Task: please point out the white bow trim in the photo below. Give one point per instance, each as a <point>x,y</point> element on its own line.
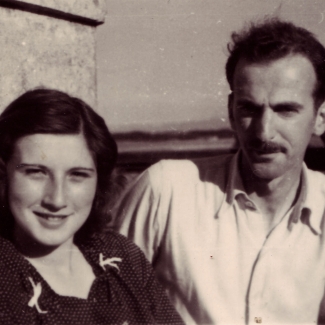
<point>37,288</point>
<point>109,261</point>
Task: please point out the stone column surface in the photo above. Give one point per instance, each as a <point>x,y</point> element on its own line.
<point>49,43</point>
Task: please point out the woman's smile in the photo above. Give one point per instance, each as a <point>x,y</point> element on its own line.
<point>51,220</point>
<point>52,184</point>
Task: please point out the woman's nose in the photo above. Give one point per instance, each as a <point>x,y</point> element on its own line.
<point>264,125</point>
<point>54,197</point>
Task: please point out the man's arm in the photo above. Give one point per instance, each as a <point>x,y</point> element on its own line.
<point>321,313</point>
<point>142,213</point>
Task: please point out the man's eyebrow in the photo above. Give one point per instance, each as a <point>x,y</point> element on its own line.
<point>288,104</point>
<point>277,105</point>
<point>246,101</point>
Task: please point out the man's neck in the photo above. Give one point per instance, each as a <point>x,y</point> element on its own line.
<point>274,197</point>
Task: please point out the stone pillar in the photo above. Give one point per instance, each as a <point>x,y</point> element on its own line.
<point>49,43</point>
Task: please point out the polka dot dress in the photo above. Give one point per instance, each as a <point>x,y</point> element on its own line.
<point>124,292</point>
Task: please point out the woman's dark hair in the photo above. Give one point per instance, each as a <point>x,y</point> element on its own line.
<point>47,111</point>
<point>274,39</point>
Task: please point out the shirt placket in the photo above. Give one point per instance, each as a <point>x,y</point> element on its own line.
<point>258,307</point>
<point>246,209</point>
<point>255,295</point>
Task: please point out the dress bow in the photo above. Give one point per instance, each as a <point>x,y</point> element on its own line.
<point>37,288</point>
<point>109,261</point>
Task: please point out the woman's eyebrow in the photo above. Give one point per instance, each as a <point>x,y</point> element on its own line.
<point>22,165</point>
<point>84,168</point>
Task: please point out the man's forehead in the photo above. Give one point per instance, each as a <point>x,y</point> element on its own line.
<point>292,71</point>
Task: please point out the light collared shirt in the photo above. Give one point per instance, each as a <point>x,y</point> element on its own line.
<point>192,221</point>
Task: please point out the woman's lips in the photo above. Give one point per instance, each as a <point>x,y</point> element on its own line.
<point>50,216</point>
<point>51,221</point>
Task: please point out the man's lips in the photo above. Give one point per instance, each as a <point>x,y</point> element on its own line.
<point>265,152</point>
<point>265,148</point>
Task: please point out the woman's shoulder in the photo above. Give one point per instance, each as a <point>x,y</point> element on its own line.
<point>112,243</point>
<point>11,283</point>
<point>9,256</point>
<point>11,264</point>
<point>123,253</point>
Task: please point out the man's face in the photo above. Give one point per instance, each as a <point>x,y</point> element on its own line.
<point>272,112</point>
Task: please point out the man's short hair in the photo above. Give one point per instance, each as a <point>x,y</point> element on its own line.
<point>273,39</point>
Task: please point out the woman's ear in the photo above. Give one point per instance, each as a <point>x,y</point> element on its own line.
<point>319,127</point>
<point>230,110</point>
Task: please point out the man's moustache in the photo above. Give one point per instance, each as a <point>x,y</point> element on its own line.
<point>266,147</point>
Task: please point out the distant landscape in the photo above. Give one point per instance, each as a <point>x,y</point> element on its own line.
<point>138,150</point>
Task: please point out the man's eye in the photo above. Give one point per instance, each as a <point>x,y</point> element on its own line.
<point>248,109</point>
<point>286,110</point>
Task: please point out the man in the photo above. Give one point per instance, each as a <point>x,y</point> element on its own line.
<point>240,239</point>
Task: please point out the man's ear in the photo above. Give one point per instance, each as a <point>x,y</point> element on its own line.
<point>230,110</point>
<point>319,127</point>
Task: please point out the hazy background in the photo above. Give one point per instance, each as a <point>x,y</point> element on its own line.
<point>161,62</point>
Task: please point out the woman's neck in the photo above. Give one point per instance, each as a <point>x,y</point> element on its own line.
<point>36,253</point>
<point>60,259</point>
<point>64,267</point>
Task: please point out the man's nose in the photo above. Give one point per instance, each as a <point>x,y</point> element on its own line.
<point>55,195</point>
<point>264,125</point>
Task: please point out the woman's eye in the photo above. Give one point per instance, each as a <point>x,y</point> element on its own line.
<point>34,172</point>
<point>79,176</point>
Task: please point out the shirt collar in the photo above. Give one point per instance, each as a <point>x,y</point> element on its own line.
<point>235,184</point>
<point>300,210</point>
<point>313,203</point>
<point>310,203</point>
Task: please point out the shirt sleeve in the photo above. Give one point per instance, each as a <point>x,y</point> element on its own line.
<point>321,313</point>
<point>149,293</point>
<point>143,211</point>
<point>160,306</point>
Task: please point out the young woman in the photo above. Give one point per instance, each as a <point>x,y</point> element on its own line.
<point>56,160</point>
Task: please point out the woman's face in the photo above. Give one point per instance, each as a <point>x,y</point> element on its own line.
<point>51,187</point>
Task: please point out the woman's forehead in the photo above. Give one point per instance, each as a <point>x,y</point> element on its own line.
<point>53,150</point>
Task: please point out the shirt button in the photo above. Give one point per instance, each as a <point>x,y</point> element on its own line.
<point>249,204</point>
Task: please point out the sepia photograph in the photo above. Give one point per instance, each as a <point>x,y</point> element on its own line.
<point>162,162</point>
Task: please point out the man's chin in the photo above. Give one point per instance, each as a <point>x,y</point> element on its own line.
<point>266,170</point>
<point>264,157</point>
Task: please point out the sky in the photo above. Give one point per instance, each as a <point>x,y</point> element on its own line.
<point>160,63</point>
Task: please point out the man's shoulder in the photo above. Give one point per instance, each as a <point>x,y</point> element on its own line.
<point>201,169</point>
<point>316,180</point>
